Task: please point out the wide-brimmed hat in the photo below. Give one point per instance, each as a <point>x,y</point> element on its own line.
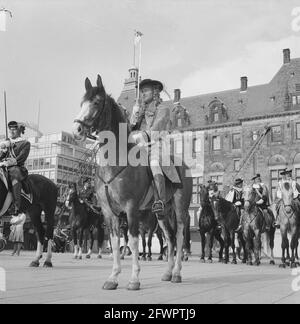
<point>152,83</point>
<point>238,181</point>
<point>286,171</point>
<point>256,176</point>
<point>13,124</point>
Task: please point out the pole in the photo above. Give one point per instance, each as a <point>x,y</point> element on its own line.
<point>139,72</point>
<point>5,112</point>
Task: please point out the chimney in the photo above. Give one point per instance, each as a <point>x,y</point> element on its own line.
<point>244,83</point>
<point>177,95</point>
<point>286,56</point>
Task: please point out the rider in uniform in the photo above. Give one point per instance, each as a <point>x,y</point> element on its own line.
<point>264,201</point>
<point>235,196</point>
<point>286,177</point>
<point>213,191</point>
<point>87,195</point>
<point>13,155</point>
<point>152,117</point>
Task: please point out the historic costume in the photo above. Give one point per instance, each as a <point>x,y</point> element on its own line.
<point>264,201</point>
<point>13,155</point>
<point>87,195</point>
<point>235,196</point>
<point>286,177</point>
<point>153,117</point>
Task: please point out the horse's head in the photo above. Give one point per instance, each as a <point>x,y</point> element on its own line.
<point>287,197</point>
<point>92,108</point>
<point>72,195</point>
<point>216,205</point>
<point>204,199</point>
<point>250,197</point>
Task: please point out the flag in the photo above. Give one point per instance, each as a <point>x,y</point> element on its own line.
<point>2,20</point>
<point>3,15</point>
<point>137,37</point>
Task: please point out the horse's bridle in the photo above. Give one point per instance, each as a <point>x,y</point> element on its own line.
<point>97,117</point>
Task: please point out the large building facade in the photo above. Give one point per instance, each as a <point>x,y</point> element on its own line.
<point>232,121</point>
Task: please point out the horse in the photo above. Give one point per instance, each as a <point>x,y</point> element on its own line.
<point>149,224</point>
<point>124,184</point>
<point>42,198</point>
<point>82,219</point>
<point>208,226</point>
<point>289,218</point>
<point>254,225</point>
<point>227,215</point>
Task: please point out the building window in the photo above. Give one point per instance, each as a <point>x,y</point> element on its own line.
<point>216,116</point>
<point>216,143</point>
<point>196,190</point>
<point>236,164</point>
<point>276,134</point>
<point>297,175</point>
<point>297,130</point>
<point>196,145</point>
<point>274,179</point>
<point>296,100</point>
<point>178,146</point>
<point>236,141</point>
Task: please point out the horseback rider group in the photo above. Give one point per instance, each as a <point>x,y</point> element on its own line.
<point>235,196</point>
<point>13,155</point>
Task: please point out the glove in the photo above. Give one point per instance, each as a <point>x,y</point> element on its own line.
<point>260,202</point>
<point>238,203</point>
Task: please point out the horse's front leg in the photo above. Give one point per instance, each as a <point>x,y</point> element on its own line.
<point>257,247</point>
<point>161,244</point>
<point>210,245</point>
<point>133,224</point>
<point>112,282</point>
<point>284,245</point>
<point>81,232</point>
<point>49,216</point>
<point>232,243</point>
<point>203,244</point>
<point>169,236</point>
<point>75,239</point>
<point>150,236</point>
<point>294,246</point>
<point>90,251</point>
<point>143,235</point>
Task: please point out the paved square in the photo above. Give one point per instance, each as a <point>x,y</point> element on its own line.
<point>80,281</point>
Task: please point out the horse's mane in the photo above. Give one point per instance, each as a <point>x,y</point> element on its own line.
<point>225,206</point>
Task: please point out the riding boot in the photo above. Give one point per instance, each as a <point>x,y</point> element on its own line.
<point>17,187</point>
<point>240,222</point>
<point>276,223</point>
<point>158,206</point>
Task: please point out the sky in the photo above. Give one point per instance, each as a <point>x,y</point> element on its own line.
<point>199,46</point>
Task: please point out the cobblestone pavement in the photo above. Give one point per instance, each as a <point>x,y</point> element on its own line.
<point>80,281</point>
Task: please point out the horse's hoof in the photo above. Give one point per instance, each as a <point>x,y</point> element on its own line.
<point>87,256</point>
<point>110,285</point>
<point>233,262</point>
<point>220,260</point>
<point>185,258</point>
<point>249,263</point>
<point>99,256</point>
<point>75,257</point>
<point>244,261</point>
<point>176,278</point>
<point>34,264</point>
<point>282,266</point>
<point>122,257</point>
<point>144,258</point>
<point>48,264</point>
<point>166,277</point>
<point>287,263</point>
<point>225,261</point>
<point>80,258</point>
<point>202,260</point>
<point>210,261</point>
<point>133,286</point>
<point>272,262</point>
<point>293,265</point>
<point>257,263</point>
<point>149,258</point>
<point>160,258</point>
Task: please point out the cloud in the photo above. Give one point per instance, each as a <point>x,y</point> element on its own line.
<point>260,61</point>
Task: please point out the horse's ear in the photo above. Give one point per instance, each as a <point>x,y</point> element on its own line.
<point>99,82</point>
<point>88,84</point>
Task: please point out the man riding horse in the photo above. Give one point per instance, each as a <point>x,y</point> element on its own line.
<point>264,202</point>
<point>235,196</point>
<point>286,178</point>
<point>87,195</point>
<point>13,155</point>
<point>152,117</point>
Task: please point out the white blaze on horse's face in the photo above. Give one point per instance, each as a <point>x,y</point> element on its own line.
<point>85,118</point>
<point>287,196</point>
<point>247,195</point>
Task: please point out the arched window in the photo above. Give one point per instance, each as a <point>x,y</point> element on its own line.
<point>217,112</point>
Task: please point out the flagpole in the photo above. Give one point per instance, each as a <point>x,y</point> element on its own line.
<point>5,114</point>
<point>139,71</point>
